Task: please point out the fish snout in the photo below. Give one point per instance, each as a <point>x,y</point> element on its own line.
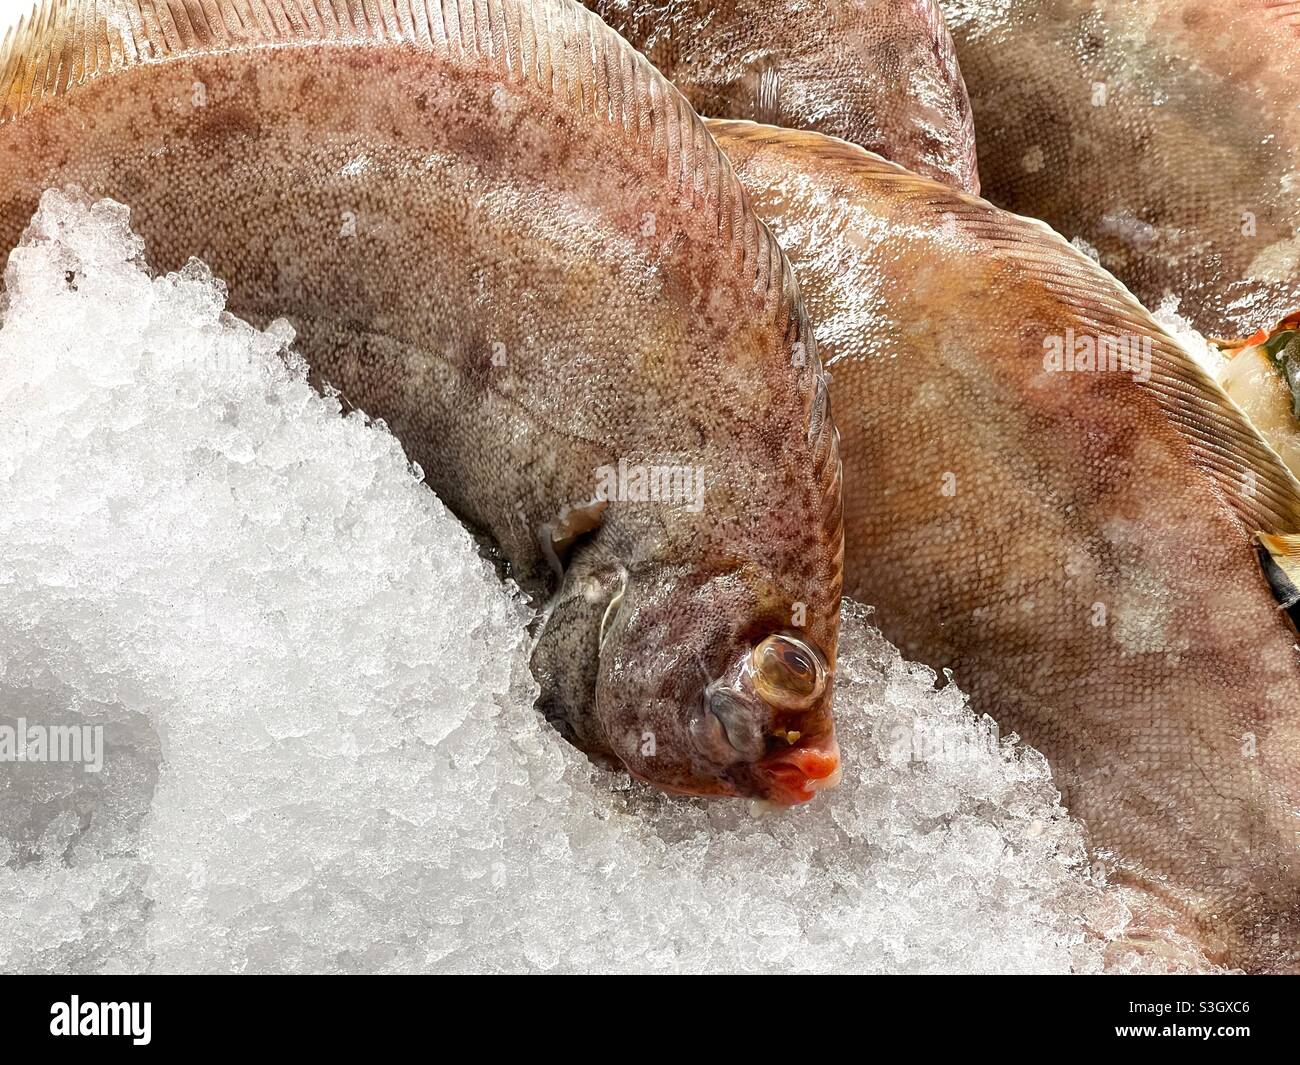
<point>795,775</point>
<point>770,725</point>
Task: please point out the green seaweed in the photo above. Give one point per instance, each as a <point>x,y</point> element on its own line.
<point>1284,350</point>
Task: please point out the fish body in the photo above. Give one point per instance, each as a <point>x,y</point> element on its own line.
<point>1165,134</point>
<point>879,73</point>
<point>1071,535</point>
<point>499,229</point>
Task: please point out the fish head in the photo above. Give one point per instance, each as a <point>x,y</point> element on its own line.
<point>768,720</point>
<point>706,693</point>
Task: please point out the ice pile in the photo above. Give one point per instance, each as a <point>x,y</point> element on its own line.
<point>320,747</point>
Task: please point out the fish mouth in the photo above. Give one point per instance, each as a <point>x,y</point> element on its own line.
<point>795,776</point>
<point>788,777</point>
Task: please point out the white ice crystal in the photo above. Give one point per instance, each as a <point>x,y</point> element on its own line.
<point>1204,354</point>
<point>1084,248</point>
<point>321,750</point>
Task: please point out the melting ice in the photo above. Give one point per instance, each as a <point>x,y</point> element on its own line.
<point>320,751</point>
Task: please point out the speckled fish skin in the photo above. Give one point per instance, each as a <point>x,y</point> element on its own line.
<point>1074,546</point>
<point>1165,133</point>
<point>879,73</point>
<point>497,227</point>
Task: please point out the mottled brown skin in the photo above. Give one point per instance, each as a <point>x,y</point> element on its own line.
<point>527,285</point>
<point>1166,133</point>
<point>879,73</point>
<point>1074,546</point>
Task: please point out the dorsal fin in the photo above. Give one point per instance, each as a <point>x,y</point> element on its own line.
<point>1286,12</point>
<point>1249,473</point>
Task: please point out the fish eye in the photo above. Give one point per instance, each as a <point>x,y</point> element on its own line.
<point>787,673</point>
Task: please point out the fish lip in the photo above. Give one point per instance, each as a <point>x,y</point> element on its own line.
<point>788,777</point>
<point>795,776</point>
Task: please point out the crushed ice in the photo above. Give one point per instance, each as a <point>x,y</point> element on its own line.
<point>321,752</point>
<point>1208,357</point>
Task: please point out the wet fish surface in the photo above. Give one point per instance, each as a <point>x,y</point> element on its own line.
<point>1071,534</point>
<point>1165,133</point>
<point>495,226</point>
<point>879,73</point>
